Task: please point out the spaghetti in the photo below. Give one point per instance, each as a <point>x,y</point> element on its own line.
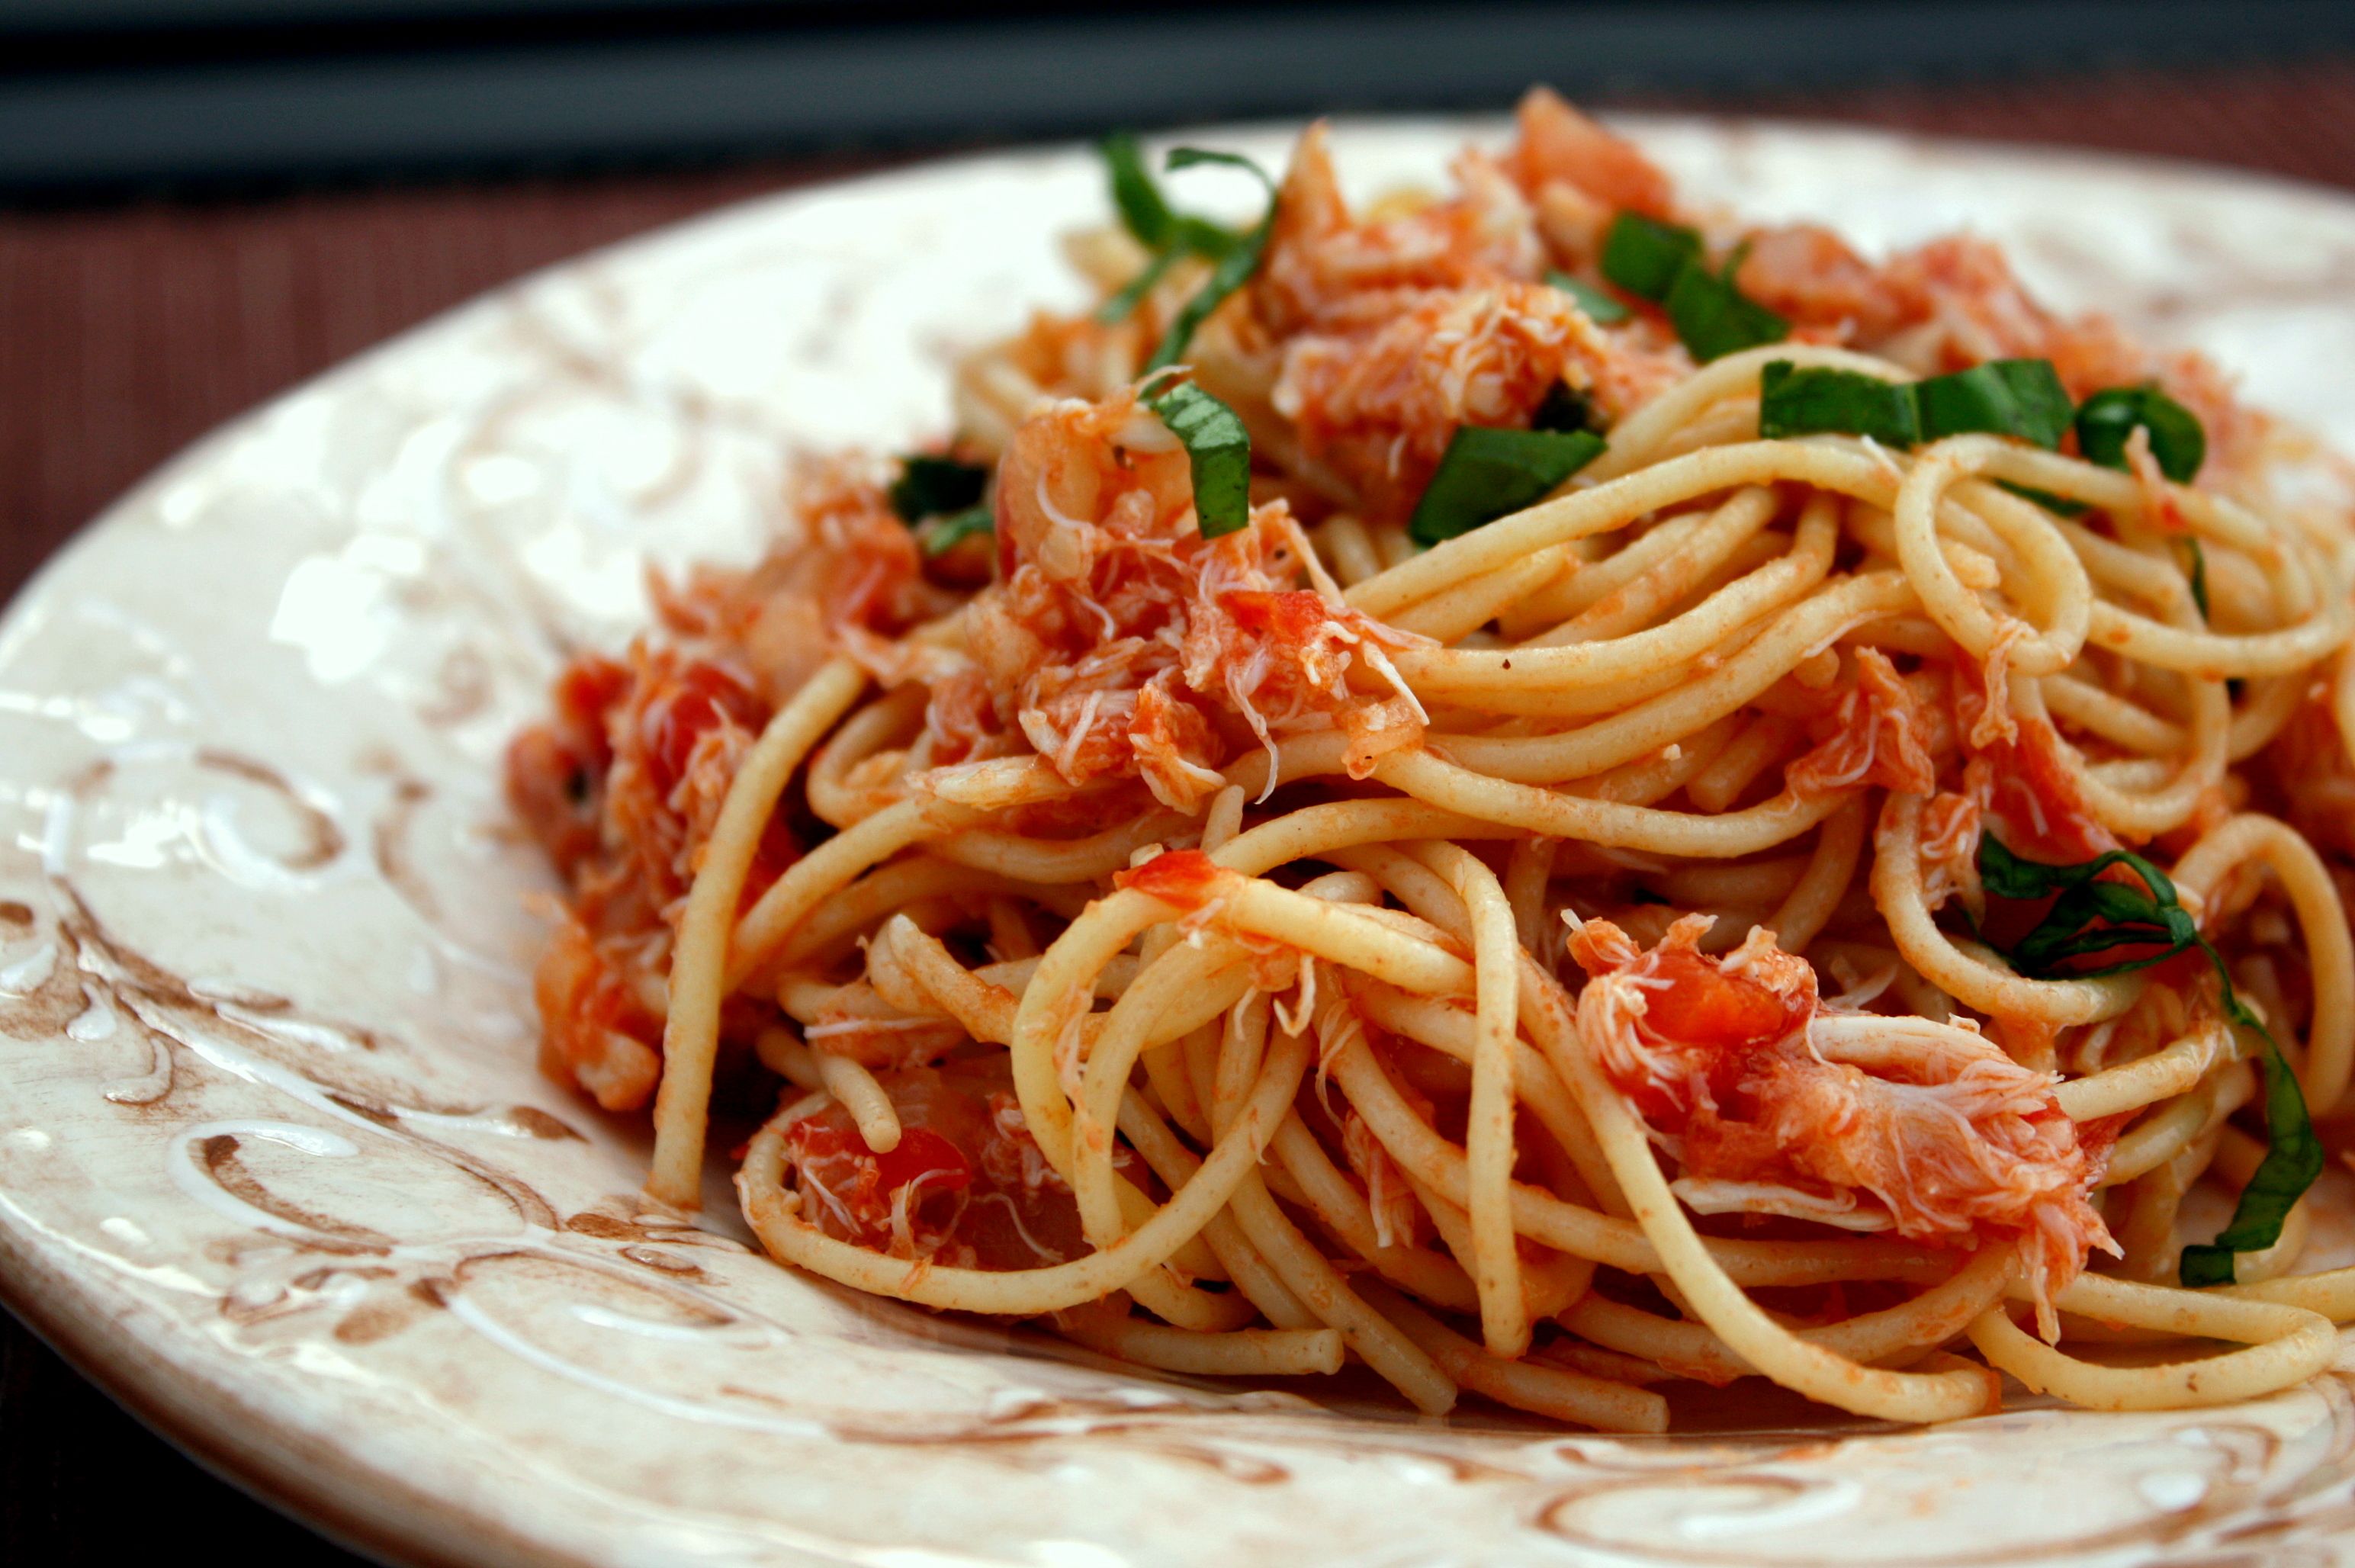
<point>1526,789</point>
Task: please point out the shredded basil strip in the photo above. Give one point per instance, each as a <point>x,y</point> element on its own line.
<point>1666,263</point>
<point>1188,157</point>
<point>940,535</point>
<point>1713,318</point>
<point>2020,398</point>
<point>930,485</point>
<point>2155,917</point>
<point>1644,256</point>
<point>1117,307</point>
<point>2293,1160</point>
<point>1171,235</point>
<point>1218,449</point>
<point>1600,308</point>
<point>1143,211</point>
<point>2108,419</point>
<point>1487,474</point>
<point>1233,268</point>
<point>1566,408</point>
<point>1818,399</point>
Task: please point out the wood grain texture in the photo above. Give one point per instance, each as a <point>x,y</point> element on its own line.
<point>127,332</point>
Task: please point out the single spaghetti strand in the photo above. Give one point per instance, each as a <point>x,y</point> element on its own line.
<point>1488,1133</point>
<point>698,981</point>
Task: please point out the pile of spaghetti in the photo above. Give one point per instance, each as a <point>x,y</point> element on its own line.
<point>1532,789</point>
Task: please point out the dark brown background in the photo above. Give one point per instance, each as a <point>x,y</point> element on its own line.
<point>127,332</point>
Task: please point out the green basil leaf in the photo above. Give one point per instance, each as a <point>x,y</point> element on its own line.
<point>1188,157</point>
<point>1811,402</point>
<point>1599,307</point>
<point>1218,449</point>
<point>1233,271</point>
<point>2020,398</point>
<point>1713,318</point>
<point>1170,234</point>
<point>2150,916</point>
<point>2008,875</point>
<point>1204,237</point>
<point>2132,920</point>
<point>2293,1162</point>
<point>1565,408</point>
<point>940,535</point>
<point>2293,1157</point>
<point>930,485</point>
<point>1645,256</point>
<point>1489,474</point>
<point>2108,418</point>
<point>1118,306</point>
<point>1233,268</point>
<point>1143,211</point>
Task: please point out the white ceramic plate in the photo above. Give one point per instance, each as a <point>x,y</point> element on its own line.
<point>274,1161</point>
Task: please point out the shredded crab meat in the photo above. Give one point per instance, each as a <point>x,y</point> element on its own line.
<point>596,1035</point>
<point>2017,775</point>
<point>1123,644</point>
<point>1877,735</point>
<point>1394,330</point>
<point>1717,1056</point>
<point>846,576</point>
<point>1948,852</point>
<point>1014,1158</point>
<point>1338,1028</point>
<point>966,1185</point>
<point>1396,1213</point>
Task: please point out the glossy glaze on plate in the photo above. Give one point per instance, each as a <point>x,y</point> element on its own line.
<point>275,1163</point>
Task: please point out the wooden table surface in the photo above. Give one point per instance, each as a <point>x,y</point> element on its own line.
<point>126,331</point>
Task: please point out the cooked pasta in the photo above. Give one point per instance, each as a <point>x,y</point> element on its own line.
<point>1529,789</point>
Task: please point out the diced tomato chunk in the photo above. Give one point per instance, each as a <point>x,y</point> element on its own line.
<point>1186,877</point>
<point>1704,1006</point>
<point>965,1185</point>
<point>923,1155</point>
<point>586,692</point>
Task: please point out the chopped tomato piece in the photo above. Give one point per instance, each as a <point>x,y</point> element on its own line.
<point>1186,877</point>
<point>965,1185</point>
<point>1702,1004</point>
<point>922,1154</point>
<point>556,771</point>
